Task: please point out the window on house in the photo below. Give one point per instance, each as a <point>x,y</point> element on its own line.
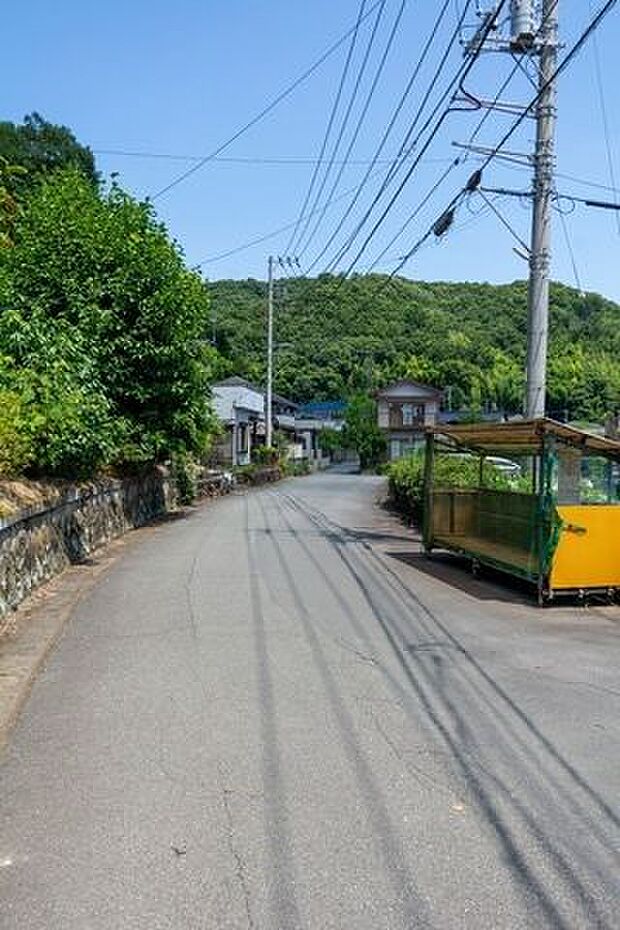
<point>407,414</point>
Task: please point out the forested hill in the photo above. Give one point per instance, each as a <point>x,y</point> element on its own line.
<point>345,336</point>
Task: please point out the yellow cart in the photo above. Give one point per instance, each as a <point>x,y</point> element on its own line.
<point>559,525</point>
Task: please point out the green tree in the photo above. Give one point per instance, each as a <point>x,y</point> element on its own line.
<point>330,440</point>
<point>101,312</point>
<point>40,147</point>
<point>361,431</point>
<point>349,336</point>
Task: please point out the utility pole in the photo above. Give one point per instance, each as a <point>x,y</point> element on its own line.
<point>540,253</point>
<point>269,401</point>
<point>540,42</point>
<point>284,262</point>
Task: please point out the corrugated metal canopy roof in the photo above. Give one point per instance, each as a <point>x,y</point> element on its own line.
<point>523,436</point>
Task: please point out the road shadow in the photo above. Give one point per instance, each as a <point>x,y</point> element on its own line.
<point>489,584</point>
<point>454,570</point>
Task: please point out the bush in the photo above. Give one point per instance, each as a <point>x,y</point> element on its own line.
<point>297,467</point>
<point>184,473</point>
<point>406,479</point>
<point>265,455</point>
<point>101,333</point>
<point>16,447</point>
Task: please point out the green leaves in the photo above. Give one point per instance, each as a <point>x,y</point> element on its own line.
<point>350,336</point>
<point>406,479</point>
<point>361,431</point>
<point>102,327</point>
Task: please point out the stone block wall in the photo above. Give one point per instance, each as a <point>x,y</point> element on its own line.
<point>39,543</point>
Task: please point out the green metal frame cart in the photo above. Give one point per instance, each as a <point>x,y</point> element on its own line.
<point>561,531</point>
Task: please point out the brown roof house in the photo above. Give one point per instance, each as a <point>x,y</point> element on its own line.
<point>404,409</point>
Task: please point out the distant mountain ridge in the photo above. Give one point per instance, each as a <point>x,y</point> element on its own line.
<point>339,337</point>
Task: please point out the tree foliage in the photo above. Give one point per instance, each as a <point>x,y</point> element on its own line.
<point>39,148</point>
<point>406,479</point>
<point>361,431</point>
<point>101,330</point>
<point>349,336</point>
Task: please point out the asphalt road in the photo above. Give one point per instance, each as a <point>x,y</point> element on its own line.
<point>274,713</point>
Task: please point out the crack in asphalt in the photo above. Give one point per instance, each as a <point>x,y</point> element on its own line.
<point>240,866</point>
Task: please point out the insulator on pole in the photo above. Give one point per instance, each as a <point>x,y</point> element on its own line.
<point>474,181</point>
<point>444,223</point>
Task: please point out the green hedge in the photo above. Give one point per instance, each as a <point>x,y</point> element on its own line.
<point>406,480</point>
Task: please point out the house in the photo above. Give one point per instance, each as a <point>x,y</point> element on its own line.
<point>241,408</point>
<point>312,419</point>
<point>240,405</point>
<point>283,414</point>
<point>404,410</point>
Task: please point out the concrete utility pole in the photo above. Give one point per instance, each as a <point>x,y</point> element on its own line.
<point>269,401</point>
<point>540,42</point>
<point>540,253</point>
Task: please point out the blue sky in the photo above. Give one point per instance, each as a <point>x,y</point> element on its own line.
<point>178,79</point>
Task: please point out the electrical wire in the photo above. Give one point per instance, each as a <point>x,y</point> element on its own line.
<point>568,58</point>
<point>476,132</point>
<point>270,235</point>
<point>268,108</point>
<point>566,61</point>
<point>457,80</point>
<point>504,221</point>
<point>406,148</point>
<point>332,117</point>
<point>265,237</point>
<point>415,214</point>
<point>345,119</point>
<point>460,160</point>
<point>277,160</point>
<point>571,252</point>
<point>386,134</point>
<point>605,120</point>
<point>360,121</point>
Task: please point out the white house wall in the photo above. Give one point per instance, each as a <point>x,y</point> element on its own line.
<point>226,397</point>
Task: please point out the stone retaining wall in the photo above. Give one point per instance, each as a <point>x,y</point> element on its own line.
<point>39,543</point>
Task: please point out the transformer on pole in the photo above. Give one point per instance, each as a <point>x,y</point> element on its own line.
<point>522,29</point>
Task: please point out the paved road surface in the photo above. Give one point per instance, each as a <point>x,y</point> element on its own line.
<point>274,714</point>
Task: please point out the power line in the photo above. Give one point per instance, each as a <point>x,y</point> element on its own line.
<point>569,247</point>
<point>453,165</point>
<point>268,108</point>
<point>361,118</point>
<point>490,107</point>
<point>276,160</point>
<point>273,233</point>
<point>387,132</point>
<point>265,237</point>
<point>605,120</point>
<point>408,146</point>
<point>347,114</point>
<point>500,216</point>
<point>568,58</point>
<point>595,185</point>
<point>458,79</point>
<point>332,118</point>
<point>415,213</point>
